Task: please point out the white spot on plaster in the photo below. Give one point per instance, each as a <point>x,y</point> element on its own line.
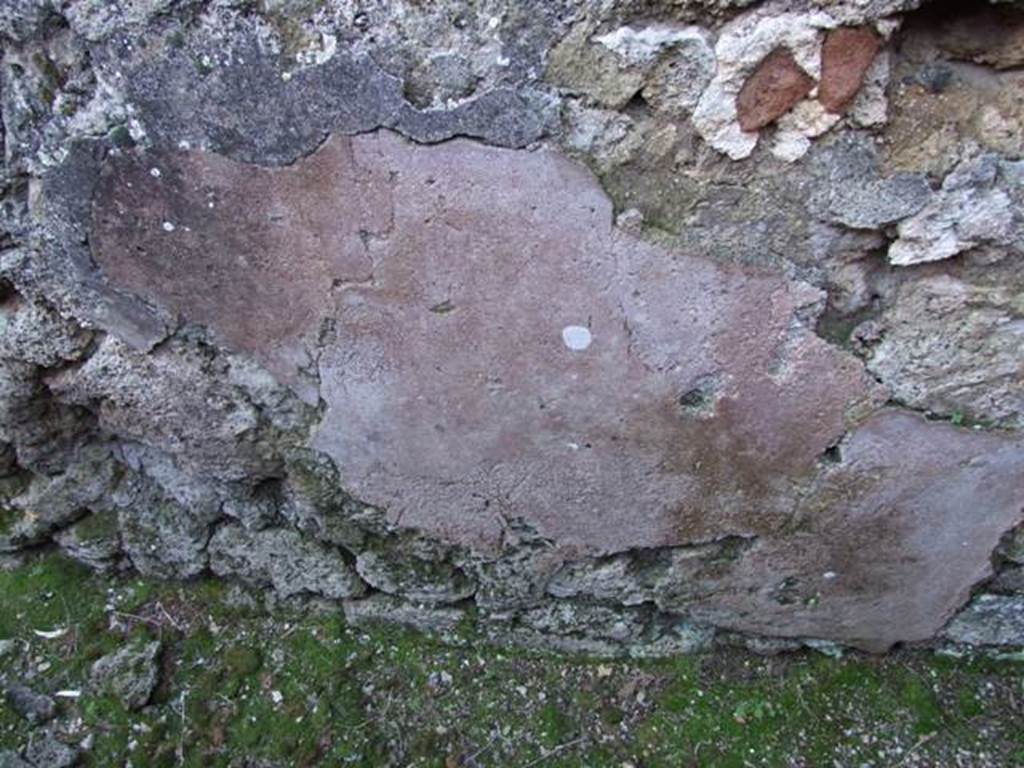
<point>154,172</point>
<point>576,337</point>
<point>829,575</point>
<point>168,226</point>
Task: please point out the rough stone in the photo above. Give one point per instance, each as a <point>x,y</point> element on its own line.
<point>131,673</point>
<point>742,44</point>
<point>855,193</point>
<point>94,540</point>
<point>846,56</point>
<point>284,559</point>
<point>392,610</point>
<point>34,707</point>
<point>951,343</point>
<point>47,751</point>
<point>160,536</point>
<point>581,66</point>
<point>989,620</point>
<point>22,19</point>
<point>34,333</point>
<point>50,504</point>
<point>772,90</point>
<point>970,210</point>
<point>11,759</point>
<point>252,113</point>
<point>412,578</point>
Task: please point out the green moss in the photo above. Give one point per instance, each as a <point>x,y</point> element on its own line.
<point>97,526</point>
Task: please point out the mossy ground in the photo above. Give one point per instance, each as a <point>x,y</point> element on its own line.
<point>240,687</point>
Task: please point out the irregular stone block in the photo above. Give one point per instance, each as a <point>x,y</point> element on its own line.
<point>853,191</point>
<point>951,343</point>
<point>35,707</point>
<point>399,572</point>
<point>11,759</point>
<point>989,620</point>
<point>292,564</point>
<point>49,504</point>
<point>131,673</point>
<point>47,751</point>
<point>393,610</point>
<point>772,90</point>
<point>846,56</point>
<point>971,210</point>
<point>161,537</point>
<point>94,540</point>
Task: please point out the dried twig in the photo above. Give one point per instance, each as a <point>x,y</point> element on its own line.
<point>552,752</point>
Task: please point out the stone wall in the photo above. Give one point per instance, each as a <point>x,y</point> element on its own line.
<point>627,326</point>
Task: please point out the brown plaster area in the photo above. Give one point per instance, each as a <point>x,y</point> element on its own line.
<point>489,348</point>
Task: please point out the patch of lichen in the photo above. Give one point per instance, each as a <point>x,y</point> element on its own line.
<point>97,526</point>
<point>299,687</point>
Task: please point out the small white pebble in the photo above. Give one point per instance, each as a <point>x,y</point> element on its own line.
<point>168,226</point>
<point>154,172</point>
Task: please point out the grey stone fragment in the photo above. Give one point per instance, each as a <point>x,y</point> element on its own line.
<point>284,559</point>
<point>160,536</point>
<point>94,540</point>
<point>393,610</point>
<point>566,617</point>
<point>1009,581</point>
<point>246,110</point>
<point>11,759</point>
<point>34,333</point>
<point>971,209</point>
<point>61,267</point>
<point>674,636</point>
<point>178,400</point>
<point>1012,547</point>
<point>131,673</point>
<point>989,620</point>
<point>46,434</point>
<point>419,580</point>
<point>23,19</point>
<point>851,191</point>
<point>951,342</point>
<point>51,503</point>
<point>35,707</point>
<point>667,577</point>
<point>46,751</point>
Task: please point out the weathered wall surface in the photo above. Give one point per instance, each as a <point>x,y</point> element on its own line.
<point>623,327</point>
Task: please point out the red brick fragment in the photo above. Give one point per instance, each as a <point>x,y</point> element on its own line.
<point>845,58</point>
<point>776,86</point>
